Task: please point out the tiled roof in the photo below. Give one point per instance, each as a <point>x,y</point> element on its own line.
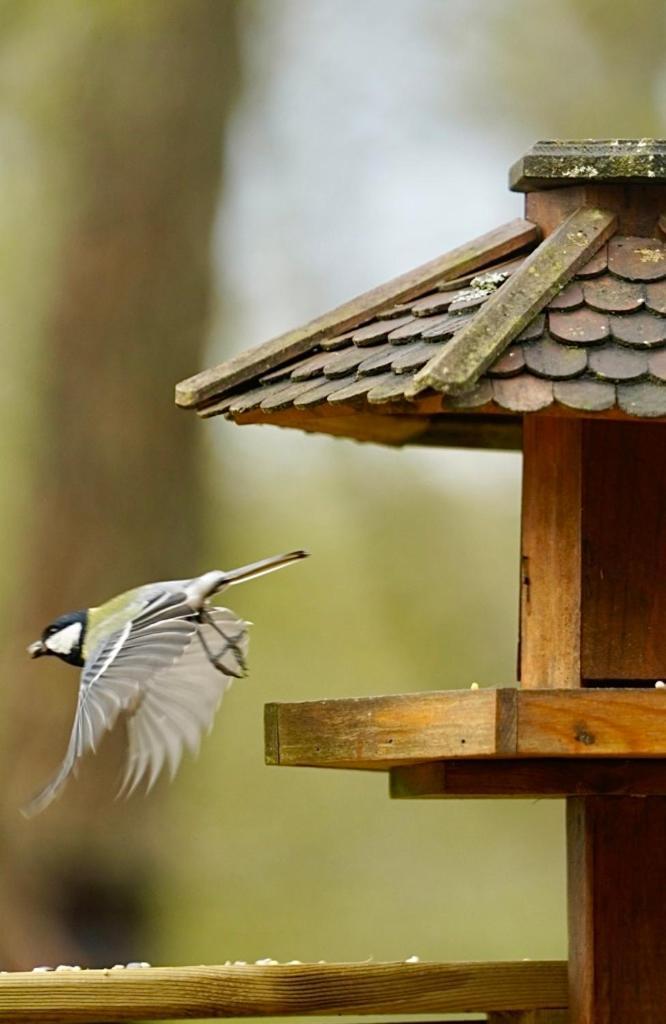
<point>600,344</point>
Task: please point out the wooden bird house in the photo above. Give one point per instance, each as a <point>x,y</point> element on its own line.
<point>548,333</point>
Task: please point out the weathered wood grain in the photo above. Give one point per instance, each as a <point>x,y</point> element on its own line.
<point>592,723</point>
<point>529,778</point>
<point>487,248</point>
<point>617,911</point>
<point>271,991</point>
<point>378,733</point>
<point>505,313</point>
<point>550,553</point>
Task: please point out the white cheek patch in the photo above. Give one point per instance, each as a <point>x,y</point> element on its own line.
<point>65,640</point>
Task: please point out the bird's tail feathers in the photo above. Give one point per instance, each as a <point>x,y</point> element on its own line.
<point>266,565</point>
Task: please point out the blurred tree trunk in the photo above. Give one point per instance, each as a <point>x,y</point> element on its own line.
<point>121,107</point>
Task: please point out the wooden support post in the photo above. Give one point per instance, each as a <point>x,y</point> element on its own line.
<point>617,910</point>
<point>616,846</point>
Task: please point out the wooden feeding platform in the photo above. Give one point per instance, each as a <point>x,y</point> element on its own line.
<point>558,732</point>
<point>508,992</point>
<point>547,334</point>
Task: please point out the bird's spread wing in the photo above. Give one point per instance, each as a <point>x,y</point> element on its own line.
<point>178,703</point>
<point>166,672</point>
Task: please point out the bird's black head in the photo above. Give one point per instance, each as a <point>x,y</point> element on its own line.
<point>64,638</point>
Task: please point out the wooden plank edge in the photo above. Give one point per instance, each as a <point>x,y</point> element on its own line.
<point>532,779</point>
<point>508,238</point>
<point>254,990</point>
<point>515,303</point>
<point>376,733</point>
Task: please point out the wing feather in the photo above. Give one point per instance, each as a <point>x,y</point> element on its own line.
<point>180,702</point>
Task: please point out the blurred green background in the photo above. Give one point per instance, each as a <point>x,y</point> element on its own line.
<point>182,179</point>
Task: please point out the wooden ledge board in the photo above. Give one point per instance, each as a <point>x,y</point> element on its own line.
<point>531,778</point>
<point>378,733</point>
<point>157,993</point>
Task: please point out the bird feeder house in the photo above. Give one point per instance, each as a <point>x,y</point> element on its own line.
<point>546,334</point>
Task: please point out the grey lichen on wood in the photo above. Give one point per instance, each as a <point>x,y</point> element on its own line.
<point>509,310</point>
<point>502,241</point>
<point>553,163</point>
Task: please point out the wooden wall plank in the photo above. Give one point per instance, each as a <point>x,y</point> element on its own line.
<point>617,911</point>
<point>624,551</point>
<point>635,206</point>
<point>550,553</point>
<point>271,991</point>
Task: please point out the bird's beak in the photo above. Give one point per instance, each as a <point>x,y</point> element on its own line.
<point>37,649</point>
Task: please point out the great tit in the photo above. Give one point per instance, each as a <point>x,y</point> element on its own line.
<point>161,657</point>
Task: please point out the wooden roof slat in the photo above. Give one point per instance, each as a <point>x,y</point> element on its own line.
<point>253,990</point>
<point>378,733</point>
<point>509,310</point>
<point>502,241</point>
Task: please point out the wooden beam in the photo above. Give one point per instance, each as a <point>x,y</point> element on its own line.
<point>488,248</point>
<point>280,990</point>
<point>617,911</point>
<point>550,592</point>
<point>378,733</point>
<point>531,778</point>
<point>502,317</point>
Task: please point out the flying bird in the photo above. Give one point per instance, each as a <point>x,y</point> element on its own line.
<point>160,656</point>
